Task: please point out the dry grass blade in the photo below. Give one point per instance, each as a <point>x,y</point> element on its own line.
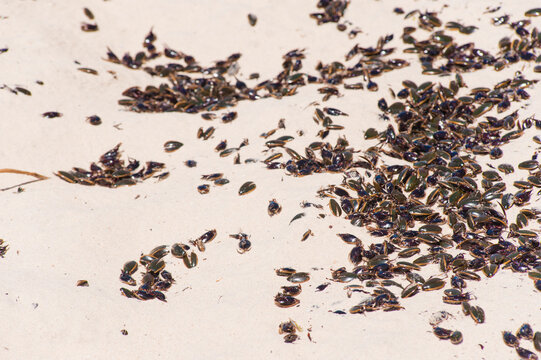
<point>38,177</point>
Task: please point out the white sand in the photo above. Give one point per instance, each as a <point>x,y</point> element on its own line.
<point>223,309</point>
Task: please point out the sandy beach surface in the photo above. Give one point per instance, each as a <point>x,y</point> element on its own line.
<point>59,233</point>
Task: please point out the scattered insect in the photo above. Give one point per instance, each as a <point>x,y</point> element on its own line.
<point>83,283</point>
<point>23,91</point>
<point>88,70</point>
<point>525,332</point>
<point>252,19</point>
<point>208,116</point>
<point>221,146</point>
<point>246,188</point>
<point>88,13</point>
<point>291,290</point>
<point>526,354</point>
<point>537,341</point>
<point>322,287</point>
<point>51,114</point>
<point>298,277</point>
<point>172,145</point>
<point>86,27</point>
<point>456,337</point>
<point>285,301</point>
<point>212,177</point>
<point>94,120</point>
<point>244,245</point>
<point>307,234</point>
<point>423,191</point>
<point>510,339</point>
<point>274,208</point>
<point>227,118</point>
<point>203,189</point>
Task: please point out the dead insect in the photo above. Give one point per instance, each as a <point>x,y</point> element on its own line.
<point>220,182</point>
<point>335,208</point>
<point>410,290</point>
<point>274,208</point>
<point>247,188</point>
<point>334,112</point>
<point>172,145</point>
<point>289,327</point>
<point>291,290</point>
<point>212,177</point>
<point>244,245</point>
<point>111,57</point>
<point>221,146</point>
<point>506,168</point>
<point>433,284</point>
<point>285,301</point>
<point>207,133</point>
<point>156,266</point>
<point>149,39</point>
<point>208,236</point>
<point>200,133</point>
<point>227,118</point>
<point>306,204</point>
<point>239,236</point>
<point>349,238</point>
<point>268,133</point>
<point>372,86</point>
<point>537,341</point>
<point>322,287</point>
<point>306,235</point>
<point>88,13</point>
<point>191,260</point>
<point>51,114</point>
<point>127,293</point>
<point>509,339</point>
<point>252,19</point>
<point>526,354</point>
<point>442,333</point>
<point>86,27</point>
<point>88,70</point>
<point>290,338</point>
<point>298,277</point>
<point>94,120</point>
<point>456,337</point>
<point>127,279</point>
<point>528,165</point>
<point>285,271</point>
<point>179,250</point>
<point>533,12</point>
<point>477,314</point>
<point>203,189</point>
<point>161,176</point>
<point>23,91</point>
<point>82,283</point>
<point>208,116</point>
<point>130,267</point>
<point>525,332</point>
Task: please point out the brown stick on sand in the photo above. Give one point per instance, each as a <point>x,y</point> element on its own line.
<point>38,177</point>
